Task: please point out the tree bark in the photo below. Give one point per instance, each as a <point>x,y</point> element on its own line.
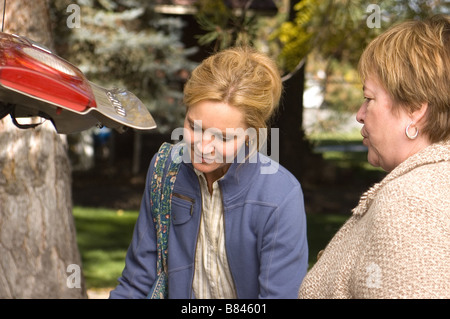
<point>37,233</point>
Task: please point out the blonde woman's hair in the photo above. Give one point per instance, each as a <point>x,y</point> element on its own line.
<point>412,62</point>
<point>240,77</point>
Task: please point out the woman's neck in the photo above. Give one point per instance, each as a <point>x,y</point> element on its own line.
<point>213,176</point>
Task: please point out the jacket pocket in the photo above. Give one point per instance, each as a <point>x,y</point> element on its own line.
<point>182,208</point>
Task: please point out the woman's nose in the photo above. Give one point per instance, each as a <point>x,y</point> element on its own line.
<point>361,114</point>
<point>206,144</point>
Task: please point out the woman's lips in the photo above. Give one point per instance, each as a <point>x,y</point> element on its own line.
<point>364,135</point>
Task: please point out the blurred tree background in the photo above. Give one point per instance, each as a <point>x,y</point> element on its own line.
<point>332,35</point>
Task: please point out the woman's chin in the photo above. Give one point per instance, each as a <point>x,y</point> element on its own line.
<point>205,166</point>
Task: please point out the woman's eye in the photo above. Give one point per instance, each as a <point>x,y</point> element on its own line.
<point>228,138</point>
<point>367,99</point>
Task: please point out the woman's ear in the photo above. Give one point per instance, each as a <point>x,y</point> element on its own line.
<point>418,116</point>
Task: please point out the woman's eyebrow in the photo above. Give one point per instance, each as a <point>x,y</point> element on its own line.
<point>192,123</point>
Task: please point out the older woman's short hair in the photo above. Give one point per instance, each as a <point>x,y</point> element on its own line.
<point>412,62</point>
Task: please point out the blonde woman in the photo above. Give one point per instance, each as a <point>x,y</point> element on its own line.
<point>236,230</point>
<point>397,242</point>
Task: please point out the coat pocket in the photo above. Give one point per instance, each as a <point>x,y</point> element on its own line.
<point>182,208</point>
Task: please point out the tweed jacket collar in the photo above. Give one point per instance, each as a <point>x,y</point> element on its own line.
<point>435,153</point>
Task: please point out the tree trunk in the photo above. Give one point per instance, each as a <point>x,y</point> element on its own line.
<point>293,146</point>
<point>39,255</point>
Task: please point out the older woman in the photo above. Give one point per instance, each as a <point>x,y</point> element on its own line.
<point>397,242</point>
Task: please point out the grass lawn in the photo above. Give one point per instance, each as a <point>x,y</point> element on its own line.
<point>103,237</point>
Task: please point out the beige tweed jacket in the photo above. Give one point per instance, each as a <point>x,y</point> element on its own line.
<point>397,242</point>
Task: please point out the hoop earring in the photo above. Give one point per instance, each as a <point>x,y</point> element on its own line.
<point>249,142</point>
<point>411,137</point>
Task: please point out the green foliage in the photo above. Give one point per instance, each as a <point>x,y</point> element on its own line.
<point>233,32</point>
<point>225,27</point>
<point>295,36</point>
<point>213,17</point>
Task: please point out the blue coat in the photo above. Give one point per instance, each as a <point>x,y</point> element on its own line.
<point>265,234</point>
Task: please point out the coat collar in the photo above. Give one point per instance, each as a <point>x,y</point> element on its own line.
<point>435,153</point>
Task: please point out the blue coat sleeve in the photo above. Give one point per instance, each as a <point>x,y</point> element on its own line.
<point>284,250</point>
<point>140,263</point>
